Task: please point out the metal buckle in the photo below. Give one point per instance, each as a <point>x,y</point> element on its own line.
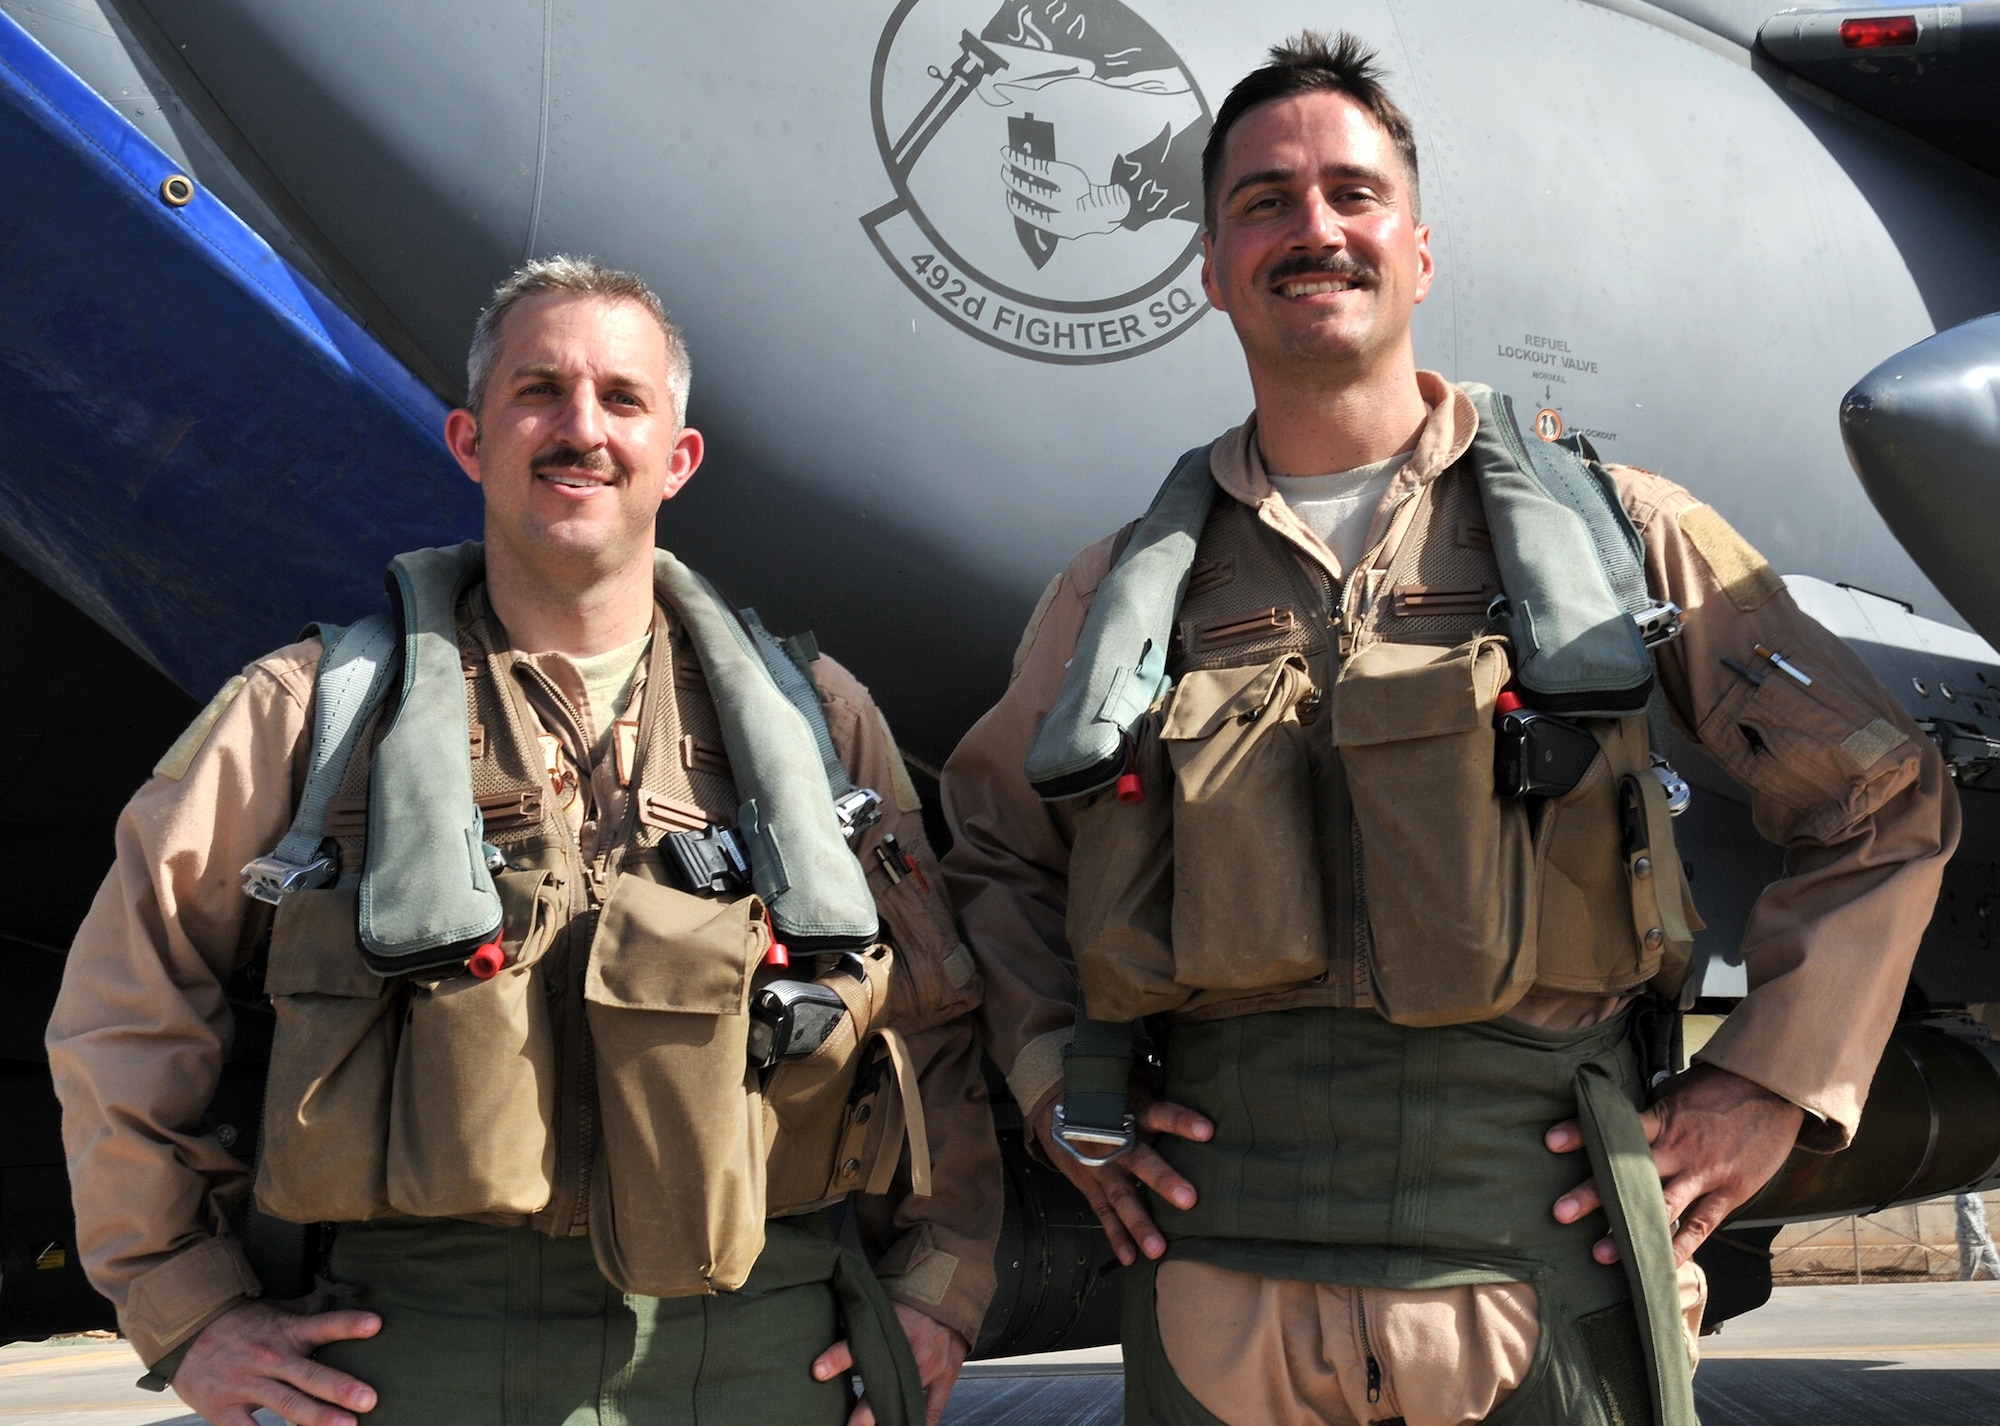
<point>1679,794</point>
<point>1119,1142</point>
<point>858,810</point>
<point>270,880</point>
<point>710,862</point>
<point>1659,623</point>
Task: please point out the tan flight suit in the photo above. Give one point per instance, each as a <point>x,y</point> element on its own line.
<point>1828,947</point>
<point>141,1026</point>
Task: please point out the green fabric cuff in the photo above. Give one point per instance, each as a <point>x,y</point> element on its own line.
<point>162,1374</point>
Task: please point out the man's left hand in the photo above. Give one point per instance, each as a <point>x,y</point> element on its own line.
<point>1717,1138</point>
<point>939,1351</point>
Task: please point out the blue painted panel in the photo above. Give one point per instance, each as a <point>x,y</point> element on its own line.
<point>197,448</point>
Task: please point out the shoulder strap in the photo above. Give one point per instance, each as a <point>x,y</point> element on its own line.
<point>353,675</point>
<point>1120,666</point>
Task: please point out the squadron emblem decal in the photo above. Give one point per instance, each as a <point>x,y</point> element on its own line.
<point>1047,168</point>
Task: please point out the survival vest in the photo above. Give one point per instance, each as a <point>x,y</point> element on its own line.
<point>1321,816</point>
<point>1323,889</point>
<point>474,1022</point>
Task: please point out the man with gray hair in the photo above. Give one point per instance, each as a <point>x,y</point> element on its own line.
<point>608,992</point>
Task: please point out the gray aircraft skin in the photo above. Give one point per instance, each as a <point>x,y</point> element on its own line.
<point>1634,228</point>
<point>920,402</point>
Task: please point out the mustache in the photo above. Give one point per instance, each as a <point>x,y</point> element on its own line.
<point>1337,264</point>
<point>568,457</point>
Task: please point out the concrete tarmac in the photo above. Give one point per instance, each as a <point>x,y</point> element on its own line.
<point>1816,1356</point>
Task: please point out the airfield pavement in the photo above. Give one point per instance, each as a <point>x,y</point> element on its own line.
<point>1816,1356</point>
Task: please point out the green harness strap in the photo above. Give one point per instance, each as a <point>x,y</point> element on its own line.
<point>1093,1121</point>
<point>881,1350</point>
<point>1630,1187</point>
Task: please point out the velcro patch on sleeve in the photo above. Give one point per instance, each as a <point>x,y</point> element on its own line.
<point>1745,576</point>
<point>1869,745</point>
<point>180,757</point>
<point>928,1281</point>
<point>918,1268</point>
<point>1039,1067</point>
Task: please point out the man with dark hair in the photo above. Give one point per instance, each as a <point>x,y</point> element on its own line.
<point>604,983</point>
<point>1312,64</point>
<point>1275,787</point>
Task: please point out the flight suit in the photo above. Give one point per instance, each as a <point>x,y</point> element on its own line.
<point>171,925</point>
<point>1828,947</point>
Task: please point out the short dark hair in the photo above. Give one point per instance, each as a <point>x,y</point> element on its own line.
<point>1309,63</point>
<point>579,277</point>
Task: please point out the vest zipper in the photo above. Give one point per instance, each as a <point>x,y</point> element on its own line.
<point>1346,941</point>
<point>1350,889</point>
<point>1374,1368</point>
<point>1345,600</point>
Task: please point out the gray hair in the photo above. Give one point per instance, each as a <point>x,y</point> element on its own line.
<point>581,277</point>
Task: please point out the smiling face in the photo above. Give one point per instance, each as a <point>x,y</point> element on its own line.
<point>576,443</point>
<point>1316,256</point>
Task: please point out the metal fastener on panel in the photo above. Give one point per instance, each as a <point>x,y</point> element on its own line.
<point>1642,868</point>
<point>176,190</point>
<point>1654,937</point>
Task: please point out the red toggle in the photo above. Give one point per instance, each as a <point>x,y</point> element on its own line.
<point>1131,787</point>
<point>777,955</point>
<point>488,961</point>
<point>1508,702</point>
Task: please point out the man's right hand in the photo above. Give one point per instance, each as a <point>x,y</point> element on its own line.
<point>259,1354</point>
<point>1113,1189</point>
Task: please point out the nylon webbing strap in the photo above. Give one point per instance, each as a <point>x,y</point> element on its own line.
<point>353,672</point>
<point>1630,1187</point>
<point>1097,1075</point>
<point>908,1108</point>
<point>881,1349</point>
<point>798,689</point>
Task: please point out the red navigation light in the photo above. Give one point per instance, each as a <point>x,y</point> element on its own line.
<point>1880,32</point>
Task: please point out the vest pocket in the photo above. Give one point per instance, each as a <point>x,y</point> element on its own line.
<point>677,1189</point>
<point>823,1116</point>
<point>1243,828</point>
<point>1121,902</point>
<point>1585,943</point>
<point>326,1103</point>
<point>472,1114</point>
<point>1612,921</point>
<point>1447,866</point>
<point>936,979</point>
